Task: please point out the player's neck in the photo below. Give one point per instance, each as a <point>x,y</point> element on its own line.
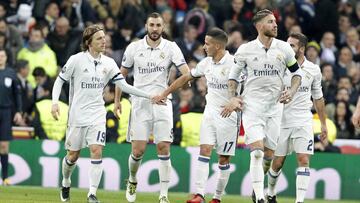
<point>218,56</point>
<point>94,54</point>
<point>301,60</point>
<point>265,40</point>
<point>152,43</point>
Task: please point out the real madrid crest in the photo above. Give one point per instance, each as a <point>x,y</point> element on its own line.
<point>162,55</point>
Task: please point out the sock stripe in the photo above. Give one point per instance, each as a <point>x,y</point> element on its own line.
<point>303,173</point>
<point>224,167</point>
<point>272,175</point>
<point>268,158</point>
<point>135,159</point>
<point>204,159</point>
<point>96,161</point>
<point>257,149</point>
<point>164,157</point>
<point>68,162</point>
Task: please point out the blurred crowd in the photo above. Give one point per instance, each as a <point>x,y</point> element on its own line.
<point>39,36</point>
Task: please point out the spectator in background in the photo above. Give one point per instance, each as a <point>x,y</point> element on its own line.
<point>109,51</point>
<point>329,84</point>
<point>14,40</point>
<point>123,36</point>
<point>42,81</point>
<point>112,123</point>
<point>45,126</point>
<point>110,25</point>
<point>99,9</point>
<point>23,19</point>
<point>344,26</point>
<point>355,17</point>
<point>345,60</point>
<point>312,52</point>
<point>64,40</point>
<point>238,12</point>
<point>10,97</point>
<point>134,13</point>
<point>2,10</point>
<point>288,22</point>
<point>235,40</point>
<point>22,69</point>
<point>325,19</point>
<point>328,48</point>
<point>352,40</point>
<point>3,46</point>
<point>79,13</point>
<point>38,53</point>
<point>52,13</point>
<point>345,129</point>
<point>170,29</point>
<point>188,42</point>
<point>342,94</point>
<point>345,82</point>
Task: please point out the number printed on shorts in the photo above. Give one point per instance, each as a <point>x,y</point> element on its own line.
<point>309,148</point>
<point>228,146</point>
<point>101,137</point>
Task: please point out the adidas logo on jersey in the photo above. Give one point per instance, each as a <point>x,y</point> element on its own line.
<point>86,70</point>
<point>255,59</point>
<point>141,55</point>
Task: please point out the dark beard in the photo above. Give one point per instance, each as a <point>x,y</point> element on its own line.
<point>269,34</point>
<point>153,38</point>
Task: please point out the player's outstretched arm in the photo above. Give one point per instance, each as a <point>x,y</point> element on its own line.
<point>117,104</point>
<point>55,110</point>
<point>319,105</point>
<point>287,95</point>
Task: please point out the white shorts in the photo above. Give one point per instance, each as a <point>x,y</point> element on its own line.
<point>261,128</point>
<point>78,137</point>
<point>298,139</point>
<point>220,132</point>
<point>150,119</point>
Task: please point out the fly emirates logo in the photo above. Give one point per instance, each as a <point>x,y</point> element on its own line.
<point>151,68</point>
<point>268,70</point>
<point>96,83</point>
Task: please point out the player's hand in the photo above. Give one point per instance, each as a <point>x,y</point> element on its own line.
<point>356,119</point>
<point>286,96</point>
<point>117,110</point>
<point>158,99</point>
<point>324,135</point>
<point>18,118</point>
<point>55,111</point>
<point>235,104</point>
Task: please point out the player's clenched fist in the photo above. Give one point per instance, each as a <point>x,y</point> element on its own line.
<point>55,111</point>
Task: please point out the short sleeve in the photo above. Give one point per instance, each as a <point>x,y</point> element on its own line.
<point>316,89</point>
<point>177,56</point>
<point>68,69</point>
<point>239,64</point>
<point>199,70</point>
<point>289,55</point>
<point>128,57</point>
<point>113,70</point>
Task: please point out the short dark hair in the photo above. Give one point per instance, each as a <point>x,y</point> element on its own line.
<point>303,40</point>
<point>261,14</point>
<point>218,34</point>
<point>154,15</point>
<point>39,71</point>
<point>87,35</point>
<point>21,64</point>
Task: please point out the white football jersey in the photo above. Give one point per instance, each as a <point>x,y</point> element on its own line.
<point>87,82</point>
<point>298,111</point>
<point>265,71</point>
<point>152,65</point>
<point>217,75</point>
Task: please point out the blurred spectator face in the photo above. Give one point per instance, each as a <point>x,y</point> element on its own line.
<point>126,33</point>
<point>295,28</point>
<point>352,37</point>
<point>289,22</point>
<point>201,3</point>
<point>344,23</point>
<point>237,5</point>
<point>40,80</point>
<point>167,15</point>
<point>35,36</point>
<point>345,55</point>
<point>24,72</point>
<point>2,11</point>
<point>2,41</point>
<point>261,4</point>
<point>236,38</point>
<point>3,26</point>
<point>3,58</point>
<point>341,109</point>
<point>344,82</point>
<point>110,24</point>
<point>154,28</point>
<point>312,54</point>
<point>328,39</point>
<point>342,95</point>
<point>354,73</point>
<point>52,10</point>
<point>190,33</point>
<point>327,73</point>
<point>62,26</point>
<point>186,95</point>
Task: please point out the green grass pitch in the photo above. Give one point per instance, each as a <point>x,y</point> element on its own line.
<point>27,194</point>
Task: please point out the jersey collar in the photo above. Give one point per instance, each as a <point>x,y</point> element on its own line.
<point>273,43</point>
<point>92,59</point>
<point>222,60</point>
<point>160,46</point>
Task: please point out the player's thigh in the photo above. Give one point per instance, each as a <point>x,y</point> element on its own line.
<point>140,121</point>
<point>253,127</point>
<point>75,138</point>
<point>226,138</point>
<point>303,140</point>
<point>284,144</point>
<point>163,123</point>
<point>96,134</point>
<point>272,131</point>
<point>5,125</point>
<point>207,130</point>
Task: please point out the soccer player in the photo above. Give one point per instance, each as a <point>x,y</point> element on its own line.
<point>296,126</point>
<point>151,58</point>
<point>88,72</point>
<point>265,60</point>
<point>215,130</point>
<point>10,96</point>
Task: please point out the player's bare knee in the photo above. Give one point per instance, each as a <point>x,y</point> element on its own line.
<point>163,148</point>
<point>205,150</point>
<point>257,154</point>
<point>224,159</point>
<point>277,164</point>
<point>303,160</point>
<point>73,156</point>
